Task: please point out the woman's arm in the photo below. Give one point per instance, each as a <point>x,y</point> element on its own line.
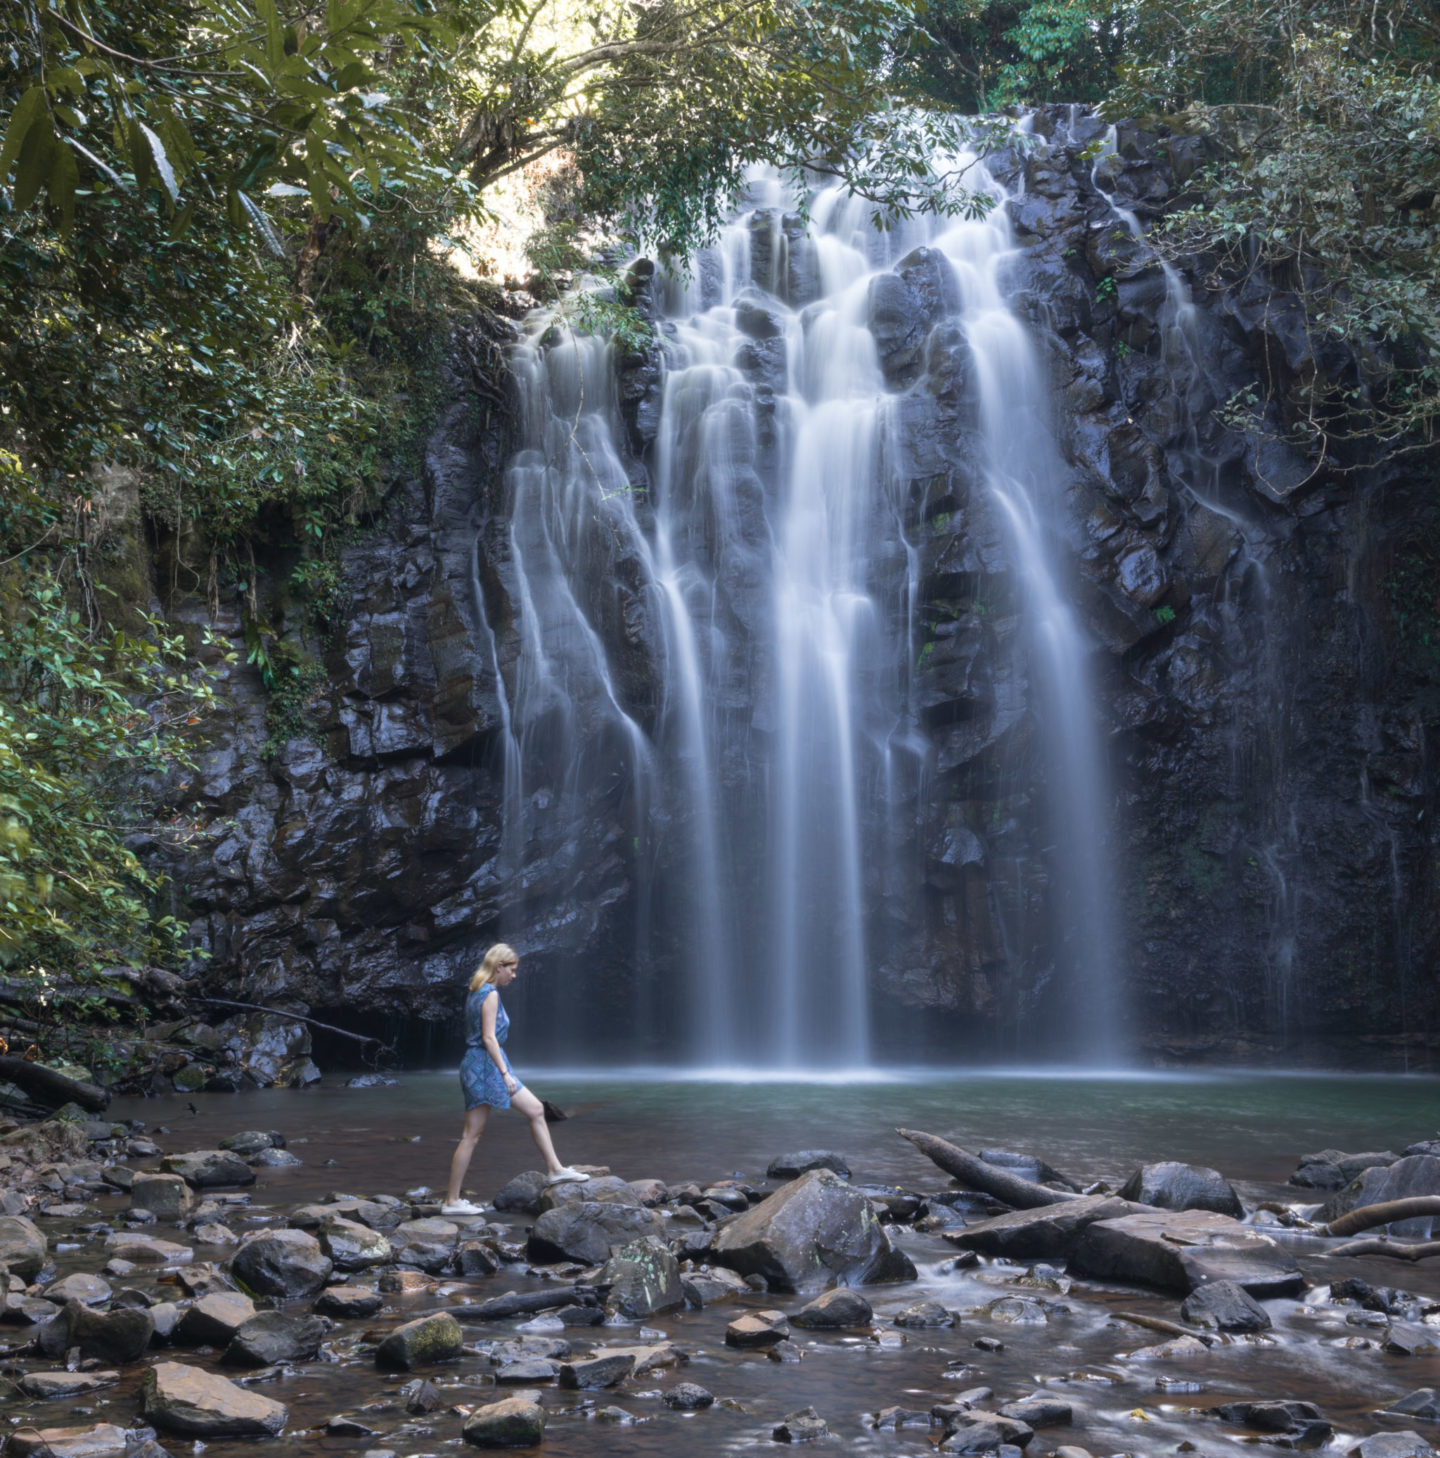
<point>488,1011</point>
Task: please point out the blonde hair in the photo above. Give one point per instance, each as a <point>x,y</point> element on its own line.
<point>485,972</point>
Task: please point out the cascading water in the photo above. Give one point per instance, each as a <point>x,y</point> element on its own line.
<point>755,552</point>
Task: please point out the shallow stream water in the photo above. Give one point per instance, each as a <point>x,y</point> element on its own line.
<point>1253,1128</point>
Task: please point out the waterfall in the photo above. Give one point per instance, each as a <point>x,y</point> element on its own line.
<point>755,551</point>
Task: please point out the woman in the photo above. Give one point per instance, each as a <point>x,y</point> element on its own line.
<point>488,1082</point>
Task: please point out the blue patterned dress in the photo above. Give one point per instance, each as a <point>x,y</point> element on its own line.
<point>482,1081</point>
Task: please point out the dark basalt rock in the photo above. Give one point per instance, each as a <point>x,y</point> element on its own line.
<point>1172,1186</point>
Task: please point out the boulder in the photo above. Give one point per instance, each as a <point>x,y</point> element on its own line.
<point>1224,1306</point>
<point>706,1287</point>
<point>1046,1233</point>
<point>119,1336</point>
<point>1182,1250</point>
<point>47,1386</point>
<point>478,1258</point>
<point>1392,1445</point>
<point>204,1169</point>
<point>1039,1412</point>
<point>513,1423</point>
<point>271,1337</point>
<point>282,1262</point>
<point>1416,1174</point>
<point>757,1329</point>
<point>214,1319</point>
<point>195,1404</point>
<point>22,1247</point>
<point>79,1286</point>
<point>348,1302</point>
<point>813,1232</point>
<point>597,1371</point>
<point>589,1230</point>
<point>1173,1186</point>
<point>251,1141</point>
<point>607,1189</point>
<point>166,1196</point>
<point>1333,1169</point>
<point>792,1166</point>
<point>435,1338</point>
<point>1424,1402</point>
<point>834,1310</point>
<point>977,1431</point>
<point>147,1251</point>
<point>1300,1421</point>
<point>99,1440</point>
<point>804,1426</point>
<point>925,1315</point>
<point>353,1246</point>
<point>1028,1167</point>
<point>1411,1339</point>
<point>522,1193</point>
<point>642,1278</point>
<point>687,1397</point>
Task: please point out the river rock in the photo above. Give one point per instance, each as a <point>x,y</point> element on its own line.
<point>513,1423</point>
<point>79,1286</point>
<point>22,1247</point>
<point>1416,1174</point>
<point>146,1250</point>
<point>834,1310</point>
<point>1047,1233</point>
<point>1182,1250</point>
<point>119,1336</point>
<point>643,1278</point>
<point>214,1319</point>
<point>757,1329</point>
<point>1170,1185</point>
<point>814,1231</point>
<point>705,1287</point>
<point>205,1169</point>
<point>353,1246</point>
<point>348,1302</point>
<point>1224,1306</point>
<point>925,1315</point>
<point>607,1189</point>
<point>1301,1421</point>
<point>477,1258</point>
<point>1333,1169</point>
<point>46,1386</point>
<point>100,1440</point>
<point>528,1371</point>
<point>195,1404</point>
<point>374,1213</point>
<point>804,1426</point>
<point>600,1371</point>
<point>284,1262</point>
<point>791,1166</point>
<point>1424,1402</point>
<point>1028,1167</point>
<point>166,1196</point>
<point>272,1337</point>
<point>251,1141</point>
<point>1392,1445</point>
<point>274,1158</point>
<point>1411,1339</point>
<point>589,1230</point>
<point>428,1339</point>
<point>977,1431</point>
<point>687,1397</point>
<point>522,1193</point>
<point>1039,1411</point>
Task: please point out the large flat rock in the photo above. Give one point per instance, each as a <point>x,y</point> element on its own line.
<point>1044,1234</point>
<point>197,1404</point>
<point>1416,1174</point>
<point>1181,1250</point>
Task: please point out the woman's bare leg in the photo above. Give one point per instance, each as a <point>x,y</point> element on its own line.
<point>534,1111</point>
<point>460,1160</point>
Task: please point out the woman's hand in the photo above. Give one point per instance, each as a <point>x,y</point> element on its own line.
<point>512,1084</point>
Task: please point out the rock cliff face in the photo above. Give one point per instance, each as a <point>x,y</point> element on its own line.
<point>1269,628</point>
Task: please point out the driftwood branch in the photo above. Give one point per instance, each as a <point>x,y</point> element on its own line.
<point>1020,1194</point>
<point>1399,1250</point>
<point>1158,1323</point>
<point>295,1017</point>
<point>1367,1217</point>
<point>52,1088</point>
<point>524,1304</point>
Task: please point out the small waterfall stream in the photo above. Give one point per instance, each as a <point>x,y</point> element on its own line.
<point>757,556</point>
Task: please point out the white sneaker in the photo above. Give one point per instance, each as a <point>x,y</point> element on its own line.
<point>566,1176</point>
<point>462,1207</point>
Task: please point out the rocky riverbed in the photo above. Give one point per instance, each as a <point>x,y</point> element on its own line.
<point>159,1297</point>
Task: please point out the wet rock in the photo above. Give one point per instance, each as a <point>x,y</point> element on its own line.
<point>978,1431</point>
<point>273,1159</point>
<point>79,1286</point>
<point>436,1338</point>
<point>195,1404</point>
<point>101,1440</point>
<point>46,1386</point>
<point>1416,1174</point>
<point>1017,1311</point>
<point>213,1233</point>
<point>251,1141</point>
<point>1392,1445</point>
<point>1183,1250</point>
<point>284,1262</point>
<point>834,1310</point>
<point>811,1232</point>
<point>273,1337</point>
<point>1039,1412</point>
<point>705,1288</point>
<point>1424,1402</point>
<point>1225,1306</point>
<point>343,1426</point>
<point>349,1303</point>
<point>757,1329</point>
<point>643,1278</point>
<point>527,1371</point>
<point>791,1166</point>
<point>1173,1186</point>
<point>785,1352</point>
<point>649,1192</point>
<point>27,1310</point>
<point>1301,1421</point>
<point>420,1396</point>
<point>477,1258</point>
<point>513,1423</point>
<point>1047,1233</point>
<point>140,1250</point>
<point>607,1189</point>
<point>354,1247</point>
<point>894,1419</point>
<point>589,1230</point>
<point>109,1336</point>
<point>1333,1169</point>
<point>805,1426</point>
<point>205,1169</point>
<point>166,1196</point>
<point>924,1315</point>
<point>597,1372</point>
<point>22,1247</point>
<point>522,1193</point>
<point>214,1319</point>
<point>687,1397</point>
<point>1409,1339</point>
<point>1028,1167</point>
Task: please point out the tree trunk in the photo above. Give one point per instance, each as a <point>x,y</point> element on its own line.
<point>51,1088</point>
<point>1018,1193</point>
<point>1367,1217</point>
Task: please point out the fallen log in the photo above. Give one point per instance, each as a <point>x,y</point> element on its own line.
<point>1166,1328</point>
<point>1400,1250</point>
<point>524,1303</point>
<point>50,1088</point>
<point>1367,1217</point>
<point>989,1179</point>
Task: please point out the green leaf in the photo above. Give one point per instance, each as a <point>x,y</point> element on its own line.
<point>30,106</point>
<point>36,153</point>
<point>162,162</point>
<point>64,179</point>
